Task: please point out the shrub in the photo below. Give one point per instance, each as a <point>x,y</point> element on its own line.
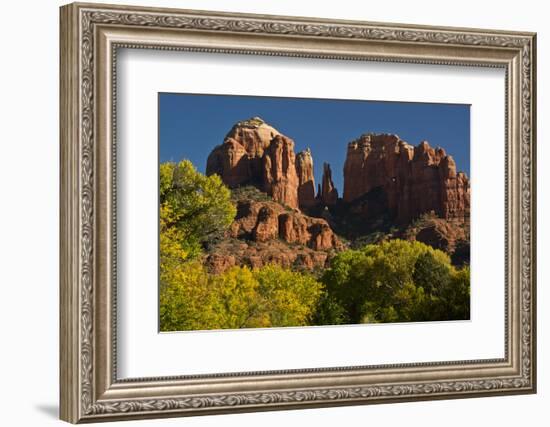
<point>249,192</point>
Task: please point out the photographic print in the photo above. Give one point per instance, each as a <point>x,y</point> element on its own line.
<point>279,212</point>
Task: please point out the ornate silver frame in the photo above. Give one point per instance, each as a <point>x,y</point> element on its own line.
<point>90,36</point>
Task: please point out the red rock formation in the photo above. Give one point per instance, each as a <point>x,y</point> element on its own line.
<point>267,232</point>
<point>267,225</point>
<point>328,194</point>
<point>257,255</point>
<point>231,162</point>
<point>322,236</point>
<point>382,175</point>
<point>306,179</point>
<point>294,228</point>
<point>439,233</point>
<point>413,180</point>
<point>254,135</point>
<point>279,176</point>
<point>455,197</point>
<point>263,221</point>
<point>374,161</point>
<point>254,153</point>
<point>219,263</point>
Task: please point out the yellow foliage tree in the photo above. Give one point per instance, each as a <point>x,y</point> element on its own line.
<point>193,299</point>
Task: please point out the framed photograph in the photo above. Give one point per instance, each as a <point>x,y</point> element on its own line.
<point>266,212</point>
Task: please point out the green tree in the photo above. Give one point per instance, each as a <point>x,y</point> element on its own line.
<point>330,311</point>
<point>199,205</point>
<point>288,297</point>
<point>194,208</point>
<point>344,282</point>
<point>397,281</point>
<point>431,274</point>
<point>456,296</point>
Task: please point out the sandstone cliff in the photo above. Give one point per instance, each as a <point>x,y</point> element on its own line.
<point>239,159</point>
<point>255,153</point>
<point>279,177</point>
<point>450,236</point>
<point>409,180</point>
<point>306,179</point>
<point>382,173</point>
<point>266,232</point>
<point>328,194</point>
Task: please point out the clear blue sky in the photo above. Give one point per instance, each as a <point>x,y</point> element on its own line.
<point>190,126</point>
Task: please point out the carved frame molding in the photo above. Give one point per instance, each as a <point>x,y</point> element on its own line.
<point>90,36</point>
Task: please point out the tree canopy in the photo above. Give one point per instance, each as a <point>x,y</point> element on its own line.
<point>191,298</point>
<point>397,281</point>
<point>199,206</point>
<point>194,209</point>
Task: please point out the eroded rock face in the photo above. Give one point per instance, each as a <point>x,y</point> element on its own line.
<point>267,225</point>
<point>255,153</point>
<point>263,221</point>
<point>306,179</point>
<point>294,228</point>
<point>375,161</point>
<point>412,180</point>
<point>254,135</point>
<point>257,255</point>
<point>328,194</point>
<point>451,237</point>
<point>230,161</point>
<point>219,263</point>
<point>267,232</point>
<point>279,176</point>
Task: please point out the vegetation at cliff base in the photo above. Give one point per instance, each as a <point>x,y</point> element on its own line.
<point>397,281</point>
<point>192,298</point>
<point>195,209</point>
<point>391,281</point>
